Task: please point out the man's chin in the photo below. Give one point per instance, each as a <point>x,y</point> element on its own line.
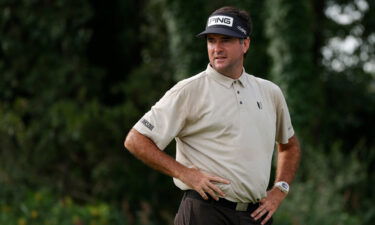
<point>219,67</point>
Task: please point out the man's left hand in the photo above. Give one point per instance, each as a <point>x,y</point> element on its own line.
<point>269,205</point>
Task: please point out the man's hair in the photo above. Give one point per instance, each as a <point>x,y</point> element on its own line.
<point>242,14</point>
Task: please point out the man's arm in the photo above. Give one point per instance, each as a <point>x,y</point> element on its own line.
<point>146,150</point>
<point>287,164</point>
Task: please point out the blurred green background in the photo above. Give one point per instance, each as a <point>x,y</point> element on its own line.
<point>76,75</point>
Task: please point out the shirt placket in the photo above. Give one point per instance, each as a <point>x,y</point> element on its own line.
<point>239,94</point>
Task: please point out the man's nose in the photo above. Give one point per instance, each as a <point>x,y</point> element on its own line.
<point>218,47</point>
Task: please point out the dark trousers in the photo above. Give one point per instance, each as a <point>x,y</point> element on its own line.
<point>194,210</point>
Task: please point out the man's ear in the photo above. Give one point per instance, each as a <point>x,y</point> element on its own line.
<point>246,43</point>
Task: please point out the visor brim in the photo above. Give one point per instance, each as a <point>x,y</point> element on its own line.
<point>221,30</point>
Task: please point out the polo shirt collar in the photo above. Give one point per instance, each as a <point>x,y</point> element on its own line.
<point>224,80</point>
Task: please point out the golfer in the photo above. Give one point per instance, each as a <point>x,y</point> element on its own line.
<point>225,123</point>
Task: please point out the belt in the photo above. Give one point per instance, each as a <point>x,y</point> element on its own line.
<point>238,206</point>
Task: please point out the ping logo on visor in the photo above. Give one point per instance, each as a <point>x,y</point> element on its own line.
<point>220,20</point>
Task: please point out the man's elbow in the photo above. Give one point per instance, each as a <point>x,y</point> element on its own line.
<point>129,141</point>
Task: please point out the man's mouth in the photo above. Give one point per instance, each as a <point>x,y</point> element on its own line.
<point>220,58</point>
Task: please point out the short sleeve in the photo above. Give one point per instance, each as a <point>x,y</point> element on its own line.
<point>284,128</point>
<point>165,119</point>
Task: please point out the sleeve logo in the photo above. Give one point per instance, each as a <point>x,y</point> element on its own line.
<point>147,124</point>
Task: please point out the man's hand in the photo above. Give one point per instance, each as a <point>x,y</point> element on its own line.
<point>269,205</point>
<point>203,183</point>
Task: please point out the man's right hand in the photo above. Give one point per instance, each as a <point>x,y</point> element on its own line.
<point>203,183</point>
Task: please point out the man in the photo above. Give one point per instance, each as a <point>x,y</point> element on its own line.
<point>225,123</point>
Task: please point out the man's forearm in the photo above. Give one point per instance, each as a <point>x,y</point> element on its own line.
<point>288,160</point>
<point>146,150</point>
<point>287,164</point>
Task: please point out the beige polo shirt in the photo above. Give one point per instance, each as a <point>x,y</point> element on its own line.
<point>224,127</point>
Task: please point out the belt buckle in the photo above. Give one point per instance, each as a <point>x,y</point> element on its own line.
<point>240,206</point>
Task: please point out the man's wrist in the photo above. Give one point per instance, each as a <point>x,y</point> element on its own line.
<point>282,186</point>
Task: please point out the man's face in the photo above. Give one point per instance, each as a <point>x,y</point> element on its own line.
<point>226,53</point>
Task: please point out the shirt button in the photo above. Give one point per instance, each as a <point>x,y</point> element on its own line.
<point>238,92</point>
<point>241,102</point>
<point>235,82</point>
